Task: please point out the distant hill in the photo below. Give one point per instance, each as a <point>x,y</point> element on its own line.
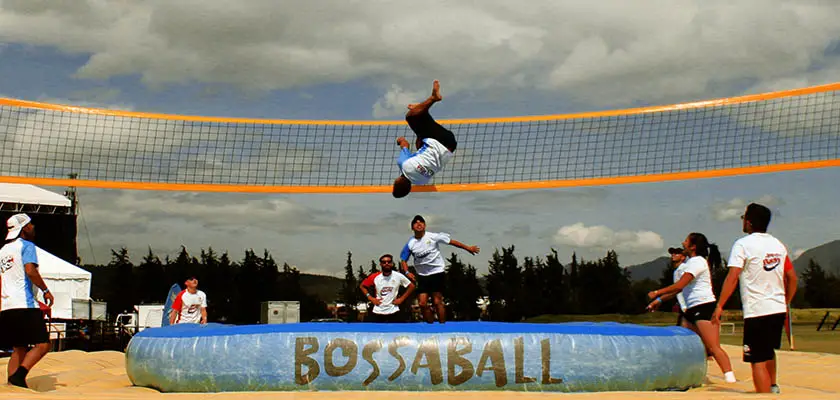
<point>326,288</point>
<point>826,255</point>
<point>650,270</point>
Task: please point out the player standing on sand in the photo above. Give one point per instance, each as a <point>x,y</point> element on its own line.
<point>695,283</point>
<point>768,282</point>
<point>21,320</point>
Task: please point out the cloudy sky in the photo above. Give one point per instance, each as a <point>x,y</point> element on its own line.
<point>366,60</point>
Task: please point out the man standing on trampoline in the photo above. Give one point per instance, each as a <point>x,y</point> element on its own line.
<point>428,262</point>
<point>435,146</point>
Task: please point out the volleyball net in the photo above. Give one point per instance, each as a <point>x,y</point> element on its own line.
<point>46,144</point>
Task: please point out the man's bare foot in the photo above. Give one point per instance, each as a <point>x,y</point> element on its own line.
<point>436,91</point>
<point>433,98</point>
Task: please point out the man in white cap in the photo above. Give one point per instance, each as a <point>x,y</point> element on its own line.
<point>21,320</point>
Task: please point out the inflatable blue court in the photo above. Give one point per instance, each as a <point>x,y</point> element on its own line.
<point>571,357</point>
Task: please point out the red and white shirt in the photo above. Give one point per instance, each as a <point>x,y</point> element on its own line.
<point>188,306</point>
<point>764,260</point>
<point>387,288</point>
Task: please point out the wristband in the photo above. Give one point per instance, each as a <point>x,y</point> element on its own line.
<point>45,290</point>
<point>659,299</point>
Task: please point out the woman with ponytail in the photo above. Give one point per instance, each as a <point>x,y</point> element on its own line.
<point>695,283</point>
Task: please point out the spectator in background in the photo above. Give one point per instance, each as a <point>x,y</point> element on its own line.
<point>386,285</point>
<point>190,307</point>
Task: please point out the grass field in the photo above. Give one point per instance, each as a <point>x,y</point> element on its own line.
<point>805,321</point>
<point>805,338</point>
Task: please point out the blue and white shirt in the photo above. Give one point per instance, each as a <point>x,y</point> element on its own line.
<point>17,290</point>
<point>426,253</point>
<point>421,166</point>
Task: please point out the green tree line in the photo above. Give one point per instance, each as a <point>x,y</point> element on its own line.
<point>234,289</point>
<point>512,289</point>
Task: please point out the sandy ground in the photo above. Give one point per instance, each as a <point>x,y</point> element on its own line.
<point>101,375</point>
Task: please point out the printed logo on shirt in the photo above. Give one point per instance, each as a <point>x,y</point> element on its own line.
<point>425,253</point>
<point>7,263</point>
<point>771,261</point>
<point>386,290</point>
<point>425,172</point>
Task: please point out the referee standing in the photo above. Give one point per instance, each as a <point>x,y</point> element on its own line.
<point>21,320</point>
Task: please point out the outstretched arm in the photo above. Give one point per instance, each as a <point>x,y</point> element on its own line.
<point>659,300</point>
<point>470,249</point>
<point>673,289</point>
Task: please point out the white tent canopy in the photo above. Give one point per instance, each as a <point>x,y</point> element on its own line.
<point>29,194</point>
<point>65,281</point>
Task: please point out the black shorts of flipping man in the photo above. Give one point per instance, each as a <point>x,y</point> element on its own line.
<point>434,283</point>
<point>23,327</point>
<point>762,336</point>
<point>424,126</point>
<point>700,312</point>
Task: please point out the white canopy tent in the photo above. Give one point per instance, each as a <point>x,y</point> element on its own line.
<point>30,194</point>
<point>66,281</point>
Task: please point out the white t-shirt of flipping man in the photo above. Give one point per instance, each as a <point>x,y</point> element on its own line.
<point>421,166</point>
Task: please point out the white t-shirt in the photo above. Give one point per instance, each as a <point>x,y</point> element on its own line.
<point>189,305</point>
<point>762,281</point>
<point>17,290</point>
<point>387,288</point>
<point>426,253</point>
<point>421,166</point>
<point>678,272</point>
<point>699,290</point>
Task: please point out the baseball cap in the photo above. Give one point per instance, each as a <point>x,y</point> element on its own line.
<point>15,223</point>
<point>675,250</point>
<point>417,218</point>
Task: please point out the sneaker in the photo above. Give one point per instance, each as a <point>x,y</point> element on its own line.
<point>730,377</point>
<point>775,389</point>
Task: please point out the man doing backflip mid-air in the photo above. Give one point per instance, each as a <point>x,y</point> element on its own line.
<point>435,146</point>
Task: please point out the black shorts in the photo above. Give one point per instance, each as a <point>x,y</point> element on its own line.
<point>22,327</point>
<point>435,283</point>
<point>762,336</point>
<point>424,126</point>
<point>701,312</point>
<point>386,318</point>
